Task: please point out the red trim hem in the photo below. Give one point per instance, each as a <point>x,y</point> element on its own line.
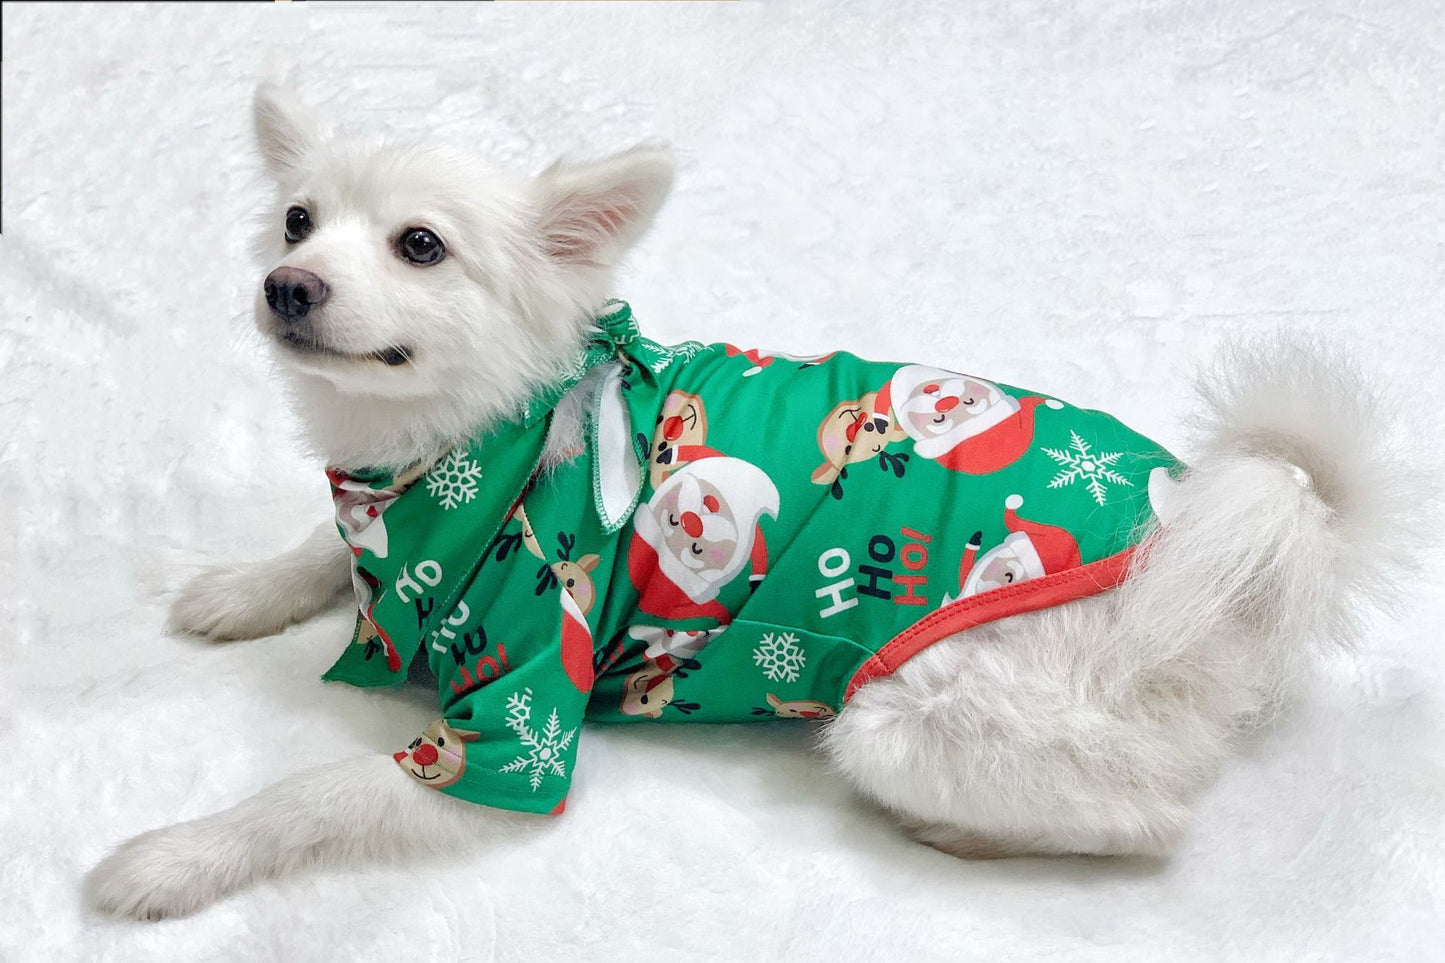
<point>1076,583</point>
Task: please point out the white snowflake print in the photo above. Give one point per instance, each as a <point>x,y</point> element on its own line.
<point>544,749</point>
<point>453,480</point>
<point>780,657</point>
<point>1080,462</point>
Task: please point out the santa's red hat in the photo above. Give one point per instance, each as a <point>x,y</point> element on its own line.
<point>1043,549</point>
<point>576,643</point>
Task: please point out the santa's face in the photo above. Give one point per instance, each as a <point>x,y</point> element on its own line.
<point>939,405</point>
<point>438,756</point>
<point>1000,566</point>
<point>696,526</point>
<point>646,693</point>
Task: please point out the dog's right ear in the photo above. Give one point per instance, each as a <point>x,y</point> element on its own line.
<point>287,129</point>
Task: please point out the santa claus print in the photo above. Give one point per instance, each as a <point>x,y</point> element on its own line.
<point>368,591</point>
<point>1030,550</point>
<point>697,533</point>
<point>669,649</point>
<point>358,513</point>
<point>961,422</point>
<point>576,649</point>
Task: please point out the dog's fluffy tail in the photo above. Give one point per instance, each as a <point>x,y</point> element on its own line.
<point>1297,512</point>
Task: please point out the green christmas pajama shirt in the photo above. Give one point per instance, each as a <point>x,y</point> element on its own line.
<point>744,536</point>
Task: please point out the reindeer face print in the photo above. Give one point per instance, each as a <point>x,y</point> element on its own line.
<point>852,432</point>
<point>681,424</point>
<point>576,578</point>
<point>697,528</point>
<point>647,692</point>
<point>799,708</point>
<point>937,406</point>
<point>438,756</point>
<point>529,537</point>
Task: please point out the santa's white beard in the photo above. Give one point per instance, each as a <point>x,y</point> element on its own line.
<point>699,578</point>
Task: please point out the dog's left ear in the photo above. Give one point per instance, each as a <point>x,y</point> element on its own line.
<point>590,214</point>
<point>287,129</point>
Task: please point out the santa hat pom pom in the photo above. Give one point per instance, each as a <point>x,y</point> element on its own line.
<point>1014,502</point>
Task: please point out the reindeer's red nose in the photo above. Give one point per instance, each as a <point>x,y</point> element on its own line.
<point>945,404</point>
<point>424,754</point>
<point>691,524</point>
<point>672,428</point>
<point>852,430</point>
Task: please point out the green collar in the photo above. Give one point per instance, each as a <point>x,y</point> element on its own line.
<point>615,330</point>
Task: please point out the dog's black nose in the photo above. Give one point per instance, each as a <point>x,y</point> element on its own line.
<point>292,292</point>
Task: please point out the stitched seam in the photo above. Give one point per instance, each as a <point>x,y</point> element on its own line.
<point>947,620</point>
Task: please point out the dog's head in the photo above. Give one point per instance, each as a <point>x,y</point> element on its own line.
<point>424,277</point>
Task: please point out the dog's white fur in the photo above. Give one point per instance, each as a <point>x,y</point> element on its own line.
<point>1085,728</point>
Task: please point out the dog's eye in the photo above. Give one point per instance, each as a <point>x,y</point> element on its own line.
<point>441,741</point>
<point>298,225</point>
<point>420,246</point>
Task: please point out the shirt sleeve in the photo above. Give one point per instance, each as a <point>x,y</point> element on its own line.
<point>514,665</point>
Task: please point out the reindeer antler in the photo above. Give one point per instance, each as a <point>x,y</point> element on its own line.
<point>887,460</point>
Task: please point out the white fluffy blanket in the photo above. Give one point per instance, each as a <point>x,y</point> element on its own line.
<point>1088,201</point>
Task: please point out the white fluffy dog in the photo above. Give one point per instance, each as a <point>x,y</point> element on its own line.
<point>1084,728</point>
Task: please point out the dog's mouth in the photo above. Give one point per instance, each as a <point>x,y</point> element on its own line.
<point>392,356</point>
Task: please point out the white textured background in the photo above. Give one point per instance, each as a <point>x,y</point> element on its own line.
<point>1087,200</point>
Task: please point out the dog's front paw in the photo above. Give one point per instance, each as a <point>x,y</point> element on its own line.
<point>156,875</point>
<point>228,603</point>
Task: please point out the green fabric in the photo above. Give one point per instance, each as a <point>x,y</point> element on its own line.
<point>741,534</point>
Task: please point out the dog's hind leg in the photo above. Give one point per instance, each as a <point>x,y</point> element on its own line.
<point>256,599</point>
<point>1011,738</point>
